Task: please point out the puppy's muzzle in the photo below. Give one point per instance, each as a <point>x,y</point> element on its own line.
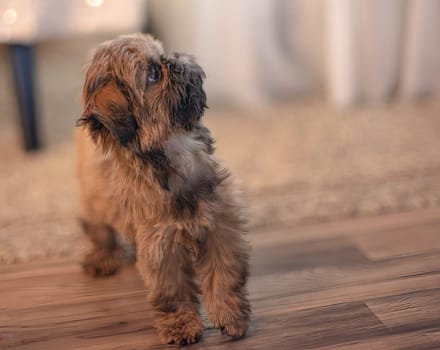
<point>186,78</point>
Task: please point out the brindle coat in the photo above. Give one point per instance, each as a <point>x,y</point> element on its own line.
<point>146,169</point>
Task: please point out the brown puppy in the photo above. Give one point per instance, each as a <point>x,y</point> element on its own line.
<point>146,170</point>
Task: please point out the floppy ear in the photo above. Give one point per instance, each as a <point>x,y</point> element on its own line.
<point>107,111</point>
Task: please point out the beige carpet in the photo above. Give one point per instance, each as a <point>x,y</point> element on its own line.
<point>296,162</point>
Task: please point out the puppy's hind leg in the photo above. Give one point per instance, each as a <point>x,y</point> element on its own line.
<point>106,256</point>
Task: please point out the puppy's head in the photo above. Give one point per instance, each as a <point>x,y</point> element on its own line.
<point>134,96</point>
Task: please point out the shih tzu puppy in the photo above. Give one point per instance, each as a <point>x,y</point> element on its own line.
<point>147,171</point>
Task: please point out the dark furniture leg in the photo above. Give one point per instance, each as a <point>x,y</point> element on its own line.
<point>22,65</point>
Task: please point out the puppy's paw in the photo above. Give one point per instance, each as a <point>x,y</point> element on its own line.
<point>231,315</point>
<point>235,328</point>
<point>100,263</point>
<point>180,328</point>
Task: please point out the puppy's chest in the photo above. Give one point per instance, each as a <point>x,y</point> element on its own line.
<point>190,163</point>
<point>190,178</point>
<point>137,197</point>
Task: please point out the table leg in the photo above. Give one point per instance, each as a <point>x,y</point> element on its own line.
<point>22,65</point>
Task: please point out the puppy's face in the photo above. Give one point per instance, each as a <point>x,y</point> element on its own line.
<point>135,97</point>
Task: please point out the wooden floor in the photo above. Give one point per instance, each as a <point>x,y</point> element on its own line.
<point>370,283</point>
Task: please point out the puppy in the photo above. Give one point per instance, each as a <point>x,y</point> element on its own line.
<point>147,171</point>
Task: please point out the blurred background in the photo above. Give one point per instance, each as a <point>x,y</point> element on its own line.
<point>322,109</point>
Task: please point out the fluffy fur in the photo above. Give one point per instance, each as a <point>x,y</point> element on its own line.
<point>146,170</point>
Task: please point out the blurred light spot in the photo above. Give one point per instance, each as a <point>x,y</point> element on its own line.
<point>10,16</point>
<point>94,3</point>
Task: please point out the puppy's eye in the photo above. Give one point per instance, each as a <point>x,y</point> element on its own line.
<point>154,74</point>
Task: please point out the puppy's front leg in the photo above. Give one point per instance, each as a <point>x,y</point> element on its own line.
<point>165,262</point>
<point>223,270</point>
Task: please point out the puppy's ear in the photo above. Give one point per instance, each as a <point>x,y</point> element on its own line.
<point>107,111</point>
<point>90,121</point>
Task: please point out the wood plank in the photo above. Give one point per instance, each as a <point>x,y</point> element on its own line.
<point>73,285</point>
<point>420,307</point>
<point>107,313</point>
<point>311,288</point>
<point>398,271</point>
<point>424,238</point>
<point>88,324</point>
<point>267,236</point>
<point>305,328</point>
<point>306,255</point>
<point>419,340</point>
